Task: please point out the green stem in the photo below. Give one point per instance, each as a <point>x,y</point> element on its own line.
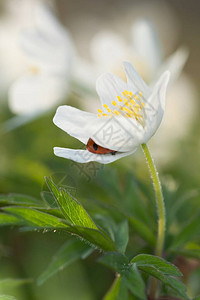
<point>160,210</point>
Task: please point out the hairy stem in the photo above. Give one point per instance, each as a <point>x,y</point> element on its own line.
<point>160,210</point>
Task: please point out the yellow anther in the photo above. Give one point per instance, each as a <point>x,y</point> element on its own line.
<point>117,112</point>
<point>119,98</point>
<point>125,101</point>
<point>121,107</point>
<point>136,110</point>
<point>110,115</point>
<point>125,109</point>
<point>99,115</point>
<point>129,116</point>
<point>136,97</point>
<point>133,102</point>
<point>131,94</point>
<point>109,110</point>
<point>140,93</point>
<point>137,106</point>
<point>114,103</point>
<point>105,115</point>
<point>124,94</point>
<point>105,105</point>
<point>99,110</point>
<point>143,104</point>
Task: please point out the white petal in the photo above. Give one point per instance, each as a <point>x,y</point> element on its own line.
<point>175,63</point>
<point>41,43</point>
<point>155,106</point>
<point>34,93</point>
<point>108,48</point>
<point>108,87</point>
<point>119,134</point>
<point>134,80</point>
<point>75,122</point>
<point>146,44</point>
<point>46,21</point>
<point>84,156</point>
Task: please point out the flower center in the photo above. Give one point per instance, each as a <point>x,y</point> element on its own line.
<point>34,69</point>
<point>128,105</point>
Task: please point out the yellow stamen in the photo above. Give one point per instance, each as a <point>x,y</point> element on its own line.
<point>140,93</point>
<point>124,94</point>
<point>105,115</point>
<point>131,94</point>
<point>99,115</point>
<point>129,116</point>
<point>133,102</point>
<point>136,97</point>
<point>114,103</point>
<point>109,110</point>
<point>125,101</point>
<point>105,105</point>
<point>119,98</point>
<point>99,110</point>
<point>117,112</point>
<point>143,104</point>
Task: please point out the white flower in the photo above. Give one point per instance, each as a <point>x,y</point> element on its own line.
<point>144,51</point>
<point>50,52</point>
<point>131,113</point>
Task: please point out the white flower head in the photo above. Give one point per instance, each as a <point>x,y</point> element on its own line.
<point>131,113</point>
<point>50,52</point>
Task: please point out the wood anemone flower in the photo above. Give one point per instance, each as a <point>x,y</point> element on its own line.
<point>130,114</point>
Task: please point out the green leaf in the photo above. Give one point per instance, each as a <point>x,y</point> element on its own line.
<point>132,278</point>
<point>53,188</point>
<point>116,261</point>
<point>134,282</point>
<point>32,217</point>
<point>38,219</point>
<point>176,285</point>
<point>71,208</point>
<point>95,237</point>
<point>48,198</point>
<point>9,283</point>
<point>143,230</point>
<point>122,236</point>
<point>82,224</point>
<point>68,253</point>
<point>118,290</point>
<point>74,211</point>
<point>197,298</point>
<point>160,264</point>
<point>191,230</point>
<point>6,219</point>
<point>17,199</point>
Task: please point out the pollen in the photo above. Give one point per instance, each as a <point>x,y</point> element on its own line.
<point>119,98</point>
<point>131,106</point>
<point>117,112</point>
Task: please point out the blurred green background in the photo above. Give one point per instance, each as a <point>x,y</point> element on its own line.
<point>26,154</point>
